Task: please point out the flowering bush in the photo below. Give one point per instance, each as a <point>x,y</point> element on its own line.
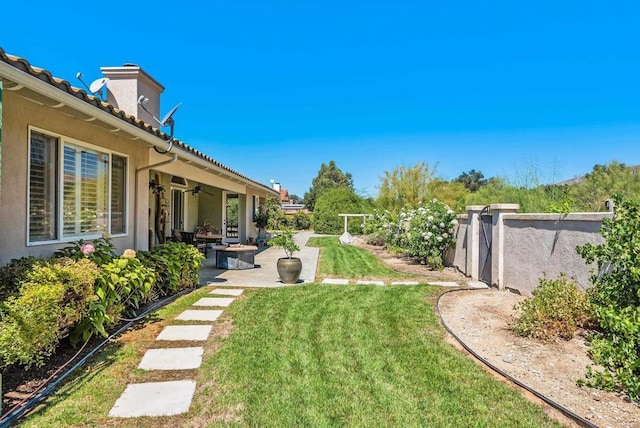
<point>100,251</point>
<point>425,232</point>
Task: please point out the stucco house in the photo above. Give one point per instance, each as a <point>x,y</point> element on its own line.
<point>75,167</point>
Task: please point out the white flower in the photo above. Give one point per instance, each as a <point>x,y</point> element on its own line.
<point>430,218</point>
<point>441,224</point>
<point>439,238</point>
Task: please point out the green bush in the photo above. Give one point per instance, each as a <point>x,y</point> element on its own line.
<point>336,201</point>
<point>176,264</point>
<point>301,221</point>
<point>100,251</point>
<point>51,299</point>
<point>122,286</point>
<point>615,297</point>
<point>14,272</point>
<point>556,310</point>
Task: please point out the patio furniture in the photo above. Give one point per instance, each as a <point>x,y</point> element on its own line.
<point>190,238</point>
<point>236,257</point>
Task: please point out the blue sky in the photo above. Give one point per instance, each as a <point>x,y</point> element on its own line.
<point>275,88</point>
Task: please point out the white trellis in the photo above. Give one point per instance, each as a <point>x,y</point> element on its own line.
<point>346,237</point>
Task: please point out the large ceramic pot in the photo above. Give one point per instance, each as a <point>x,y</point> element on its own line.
<point>289,269</point>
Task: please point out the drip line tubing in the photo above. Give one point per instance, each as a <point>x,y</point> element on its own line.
<point>568,413</point>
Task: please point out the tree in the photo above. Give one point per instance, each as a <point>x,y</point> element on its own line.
<point>603,182</point>
<point>329,177</point>
<point>451,193</point>
<point>276,217</point>
<point>472,180</point>
<point>336,201</point>
<point>405,187</point>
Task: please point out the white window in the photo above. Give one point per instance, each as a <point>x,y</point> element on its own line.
<point>75,191</point>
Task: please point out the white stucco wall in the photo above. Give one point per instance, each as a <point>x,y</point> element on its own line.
<point>539,244</point>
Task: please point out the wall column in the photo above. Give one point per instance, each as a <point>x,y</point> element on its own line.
<point>497,241</point>
<point>473,241</point>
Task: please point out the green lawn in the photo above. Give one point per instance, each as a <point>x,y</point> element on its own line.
<point>355,356</point>
<point>346,261</point>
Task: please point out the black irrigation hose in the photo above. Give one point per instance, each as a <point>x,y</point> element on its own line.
<point>568,413</point>
<point>12,417</point>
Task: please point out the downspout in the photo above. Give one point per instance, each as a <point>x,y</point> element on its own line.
<point>135,203</point>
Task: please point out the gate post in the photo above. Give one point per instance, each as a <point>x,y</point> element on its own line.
<point>497,246</point>
<point>473,241</point>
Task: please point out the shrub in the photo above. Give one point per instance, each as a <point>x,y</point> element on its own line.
<point>52,298</point>
<point>122,286</point>
<point>616,300</point>
<point>427,232</point>
<point>100,251</point>
<point>176,265</point>
<point>301,221</point>
<point>556,310</point>
<point>14,272</point>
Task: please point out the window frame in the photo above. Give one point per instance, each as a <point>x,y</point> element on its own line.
<point>64,140</point>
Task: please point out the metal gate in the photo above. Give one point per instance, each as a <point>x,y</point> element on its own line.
<point>486,219</point>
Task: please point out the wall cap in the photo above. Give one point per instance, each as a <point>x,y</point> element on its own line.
<point>598,216</point>
<point>475,207</point>
<point>501,207</point>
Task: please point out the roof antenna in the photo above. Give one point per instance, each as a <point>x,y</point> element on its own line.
<point>167,120</point>
<point>96,86</point>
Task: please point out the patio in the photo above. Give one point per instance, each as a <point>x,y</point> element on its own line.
<point>265,273</point>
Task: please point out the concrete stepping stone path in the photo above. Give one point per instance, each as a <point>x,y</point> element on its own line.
<point>199,315</point>
<point>227,291</point>
<point>336,281</point>
<point>222,302</point>
<point>172,359</point>
<point>444,283</point>
<point>185,332</point>
<point>369,282</point>
<point>154,399</point>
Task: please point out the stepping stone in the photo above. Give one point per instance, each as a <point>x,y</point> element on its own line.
<point>214,301</point>
<point>477,284</point>
<point>405,283</point>
<point>172,359</point>
<point>369,282</point>
<point>199,315</point>
<point>185,332</point>
<point>335,281</point>
<point>154,399</point>
<point>444,283</point>
<point>227,291</point>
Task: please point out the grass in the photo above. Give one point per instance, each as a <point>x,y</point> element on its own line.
<point>346,261</point>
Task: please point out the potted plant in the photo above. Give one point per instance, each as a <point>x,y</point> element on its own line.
<point>289,267</point>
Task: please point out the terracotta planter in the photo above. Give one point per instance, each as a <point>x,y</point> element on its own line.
<point>289,269</point>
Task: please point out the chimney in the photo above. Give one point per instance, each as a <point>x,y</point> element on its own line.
<point>127,84</point>
<point>276,187</point>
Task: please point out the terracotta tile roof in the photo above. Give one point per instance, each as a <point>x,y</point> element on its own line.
<point>63,85</point>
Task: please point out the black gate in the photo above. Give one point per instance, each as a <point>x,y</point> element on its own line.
<point>486,219</point>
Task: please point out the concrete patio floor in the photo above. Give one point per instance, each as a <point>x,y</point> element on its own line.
<point>265,273</point>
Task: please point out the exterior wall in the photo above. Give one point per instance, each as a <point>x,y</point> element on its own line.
<point>525,247</point>
<point>457,257</point>
<point>17,115</point>
<point>538,244</point>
